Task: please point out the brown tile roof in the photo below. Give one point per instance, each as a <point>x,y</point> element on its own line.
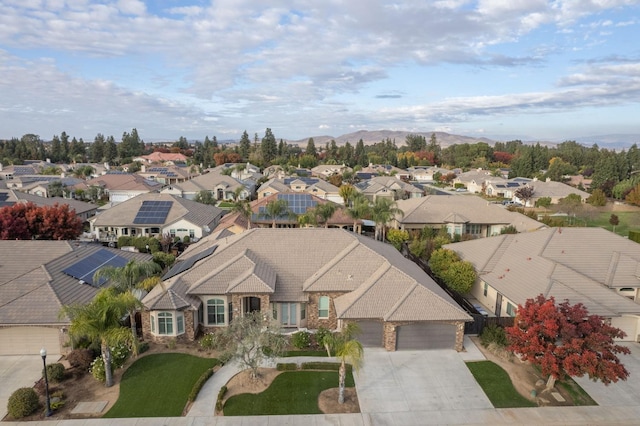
<point>291,262</point>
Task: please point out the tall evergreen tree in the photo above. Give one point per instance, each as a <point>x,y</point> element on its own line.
<point>360,154</point>
<point>311,148</point>
<point>268,147</point>
<point>245,145</point>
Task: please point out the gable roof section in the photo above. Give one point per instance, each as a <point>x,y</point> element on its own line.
<point>578,264</point>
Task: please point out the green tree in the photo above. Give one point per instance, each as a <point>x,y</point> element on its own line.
<point>415,143</point>
<point>311,148</point>
<point>276,209</point>
<point>245,145</point>
<point>325,212</point>
<point>614,221</point>
<point>460,276</point>
<point>268,147</point>
<point>360,209</point>
<point>126,280</point>
<point>243,207</point>
<point>360,154</point>
<point>525,193</point>
<point>205,197</point>
<point>347,192</point>
<point>382,211</point>
<point>440,261</point>
<point>250,339</point>
<point>99,320</point>
<point>597,198</point>
<point>397,237</point>
<point>348,350</point>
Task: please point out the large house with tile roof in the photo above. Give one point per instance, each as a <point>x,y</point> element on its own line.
<point>591,266</point>
<point>120,186</point>
<point>304,279</point>
<point>221,186</point>
<point>83,210</point>
<point>388,187</point>
<point>155,215</point>
<point>460,214</point>
<point>34,286</point>
<point>553,190</point>
<point>314,186</point>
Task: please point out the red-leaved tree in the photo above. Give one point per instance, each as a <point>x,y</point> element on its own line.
<point>28,221</point>
<point>564,340</point>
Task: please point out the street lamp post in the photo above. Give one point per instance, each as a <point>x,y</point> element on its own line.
<point>43,354</point>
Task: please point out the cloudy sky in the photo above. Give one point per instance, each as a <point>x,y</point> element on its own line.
<point>531,69</point>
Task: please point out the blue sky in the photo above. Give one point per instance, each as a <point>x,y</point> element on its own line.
<point>504,69</point>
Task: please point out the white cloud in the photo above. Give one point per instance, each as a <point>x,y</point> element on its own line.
<point>132,7</point>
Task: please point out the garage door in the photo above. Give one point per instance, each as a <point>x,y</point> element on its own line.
<point>628,324</point>
<point>426,336</point>
<point>370,333</point>
<point>28,340</point>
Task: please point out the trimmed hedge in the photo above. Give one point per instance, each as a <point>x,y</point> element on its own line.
<point>55,372</point>
<point>327,366</point>
<point>23,402</point>
<point>634,236</point>
<point>286,366</point>
<point>199,384</point>
<point>221,394</point>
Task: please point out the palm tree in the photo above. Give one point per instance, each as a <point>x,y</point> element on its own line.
<point>347,350</point>
<point>244,208</point>
<point>382,211</point>
<point>325,211</point>
<point>275,209</point>
<point>360,209</point>
<point>348,193</point>
<point>100,320</point>
<point>127,280</point>
<point>308,218</point>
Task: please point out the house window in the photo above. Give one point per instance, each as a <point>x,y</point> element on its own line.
<point>192,234</point>
<point>165,323</point>
<point>215,312</point>
<point>511,310</point>
<point>180,321</point>
<point>486,289</point>
<point>274,311</point>
<point>125,231</point>
<point>474,229</point>
<point>153,324</point>
<point>172,232</point>
<point>323,307</point>
<point>303,311</point>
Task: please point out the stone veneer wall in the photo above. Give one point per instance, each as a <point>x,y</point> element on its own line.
<point>236,303</point>
<point>190,329</point>
<point>313,321</point>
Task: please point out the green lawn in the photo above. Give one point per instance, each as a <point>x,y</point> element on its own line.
<point>579,396</point>
<point>292,392</point>
<point>628,220</point>
<point>496,384</point>
<point>304,353</point>
<point>158,385</point>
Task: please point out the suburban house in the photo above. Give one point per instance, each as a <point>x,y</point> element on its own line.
<point>344,277</point>
<point>386,170</point>
<point>120,186</point>
<point>473,180</point>
<point>37,279</point>
<point>221,186</point>
<point>39,184</point>
<point>314,186</point>
<point>327,170</point>
<point>552,189</point>
<point>460,214</point>
<point>166,175</point>
<point>503,188</point>
<point>12,171</point>
<point>166,158</point>
<point>388,187</point>
<point>155,215</point>
<point>591,266</point>
<point>426,173</point>
<point>83,210</point>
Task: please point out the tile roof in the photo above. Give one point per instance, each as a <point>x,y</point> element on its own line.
<point>439,209</point>
<point>33,287</point>
<point>584,265</point>
<point>77,205</point>
<point>289,262</point>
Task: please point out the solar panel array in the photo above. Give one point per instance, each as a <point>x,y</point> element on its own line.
<point>153,212</point>
<point>308,181</point>
<point>188,263</point>
<point>84,269</point>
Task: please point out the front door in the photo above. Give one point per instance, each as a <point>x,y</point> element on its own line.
<point>289,314</point>
<point>498,305</point>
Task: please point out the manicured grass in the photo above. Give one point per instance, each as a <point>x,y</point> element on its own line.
<point>225,205</point>
<point>628,220</point>
<point>496,384</point>
<point>304,353</point>
<point>292,392</point>
<point>158,385</point>
<point>579,396</point>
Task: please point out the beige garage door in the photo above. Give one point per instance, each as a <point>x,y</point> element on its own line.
<point>28,340</point>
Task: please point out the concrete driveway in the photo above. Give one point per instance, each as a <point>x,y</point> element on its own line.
<point>17,371</point>
<point>620,394</point>
<point>417,381</point>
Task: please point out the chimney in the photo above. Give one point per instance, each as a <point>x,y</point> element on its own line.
<point>143,168</point>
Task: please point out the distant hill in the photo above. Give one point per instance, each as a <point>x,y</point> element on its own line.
<point>371,137</point>
<point>613,141</point>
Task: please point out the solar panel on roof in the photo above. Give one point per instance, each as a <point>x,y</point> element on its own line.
<point>188,263</point>
<point>153,212</point>
<point>84,269</point>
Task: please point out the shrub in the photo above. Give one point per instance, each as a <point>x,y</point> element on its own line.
<point>55,372</point>
<point>397,237</point>
<point>327,366</point>
<point>186,239</point>
<point>493,334</point>
<point>143,347</point>
<point>301,339</point>
<point>22,402</point>
<point>81,358</point>
<point>320,334</point>
<point>214,341</point>
<point>634,236</point>
<point>119,355</point>
<point>221,394</point>
<point>199,384</point>
<point>286,366</point>
<point>163,259</point>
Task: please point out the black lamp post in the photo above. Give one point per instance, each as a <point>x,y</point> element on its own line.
<point>147,247</point>
<point>43,354</point>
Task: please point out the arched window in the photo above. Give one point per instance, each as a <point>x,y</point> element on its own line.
<point>215,312</point>
<point>323,307</point>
